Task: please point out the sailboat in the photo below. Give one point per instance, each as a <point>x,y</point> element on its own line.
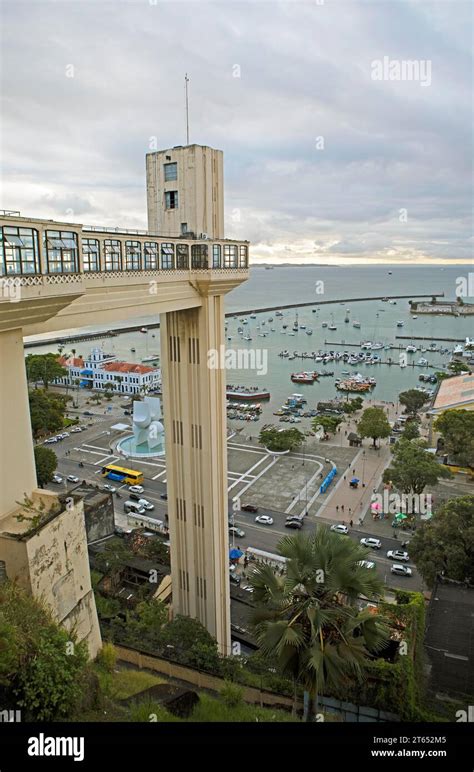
<point>332,326</point>
<point>295,323</point>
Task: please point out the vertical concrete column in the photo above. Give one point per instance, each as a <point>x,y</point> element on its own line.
<point>16,442</point>
<point>196,453</point>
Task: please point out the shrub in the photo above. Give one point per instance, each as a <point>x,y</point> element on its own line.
<point>231,694</point>
<point>107,657</point>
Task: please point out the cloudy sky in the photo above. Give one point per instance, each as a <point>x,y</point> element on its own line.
<point>326,160</point>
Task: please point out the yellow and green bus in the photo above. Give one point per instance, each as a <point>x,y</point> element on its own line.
<point>120,474</point>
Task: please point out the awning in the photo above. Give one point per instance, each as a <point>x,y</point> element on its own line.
<point>235,554</point>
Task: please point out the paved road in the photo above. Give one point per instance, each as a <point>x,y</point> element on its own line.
<point>93,445</point>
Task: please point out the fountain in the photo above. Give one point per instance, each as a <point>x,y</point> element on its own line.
<point>148,439</point>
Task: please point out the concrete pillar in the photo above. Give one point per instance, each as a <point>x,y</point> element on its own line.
<point>16,443</point>
<point>196,451</point>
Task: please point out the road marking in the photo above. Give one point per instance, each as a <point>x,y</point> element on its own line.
<point>159,474</point>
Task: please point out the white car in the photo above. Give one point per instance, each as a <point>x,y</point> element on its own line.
<point>366,563</point>
<point>264,519</point>
<point>136,488</point>
<point>401,570</point>
<point>57,479</point>
<point>76,430</point>
<point>109,488</point>
<point>72,478</point>
<point>398,555</point>
<point>374,544</point>
<point>340,529</point>
<point>145,504</point>
<point>50,440</point>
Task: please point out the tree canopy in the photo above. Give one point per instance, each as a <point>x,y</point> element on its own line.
<point>457,430</point>
<point>445,544</point>
<point>46,411</point>
<point>328,422</point>
<point>374,423</point>
<point>411,431</point>
<point>413,400</point>
<point>274,439</point>
<point>412,468</point>
<point>46,462</point>
<point>43,368</point>
<point>308,620</point>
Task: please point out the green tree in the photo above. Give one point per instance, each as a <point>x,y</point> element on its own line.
<point>458,367</point>
<point>413,468</point>
<point>44,368</point>
<point>411,431</point>
<point>187,640</point>
<point>46,462</point>
<point>457,430</point>
<point>46,411</point>
<point>328,422</point>
<point>445,543</point>
<point>374,423</point>
<point>97,398</point>
<point>274,439</point>
<point>308,620</point>
<point>413,400</point>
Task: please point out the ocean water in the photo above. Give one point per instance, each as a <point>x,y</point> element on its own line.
<point>313,283</point>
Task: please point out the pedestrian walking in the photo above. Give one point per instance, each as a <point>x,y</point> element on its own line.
<point>342,507</point>
<point>353,471</point>
<point>350,511</point>
<point>337,508</point>
<point>351,523</point>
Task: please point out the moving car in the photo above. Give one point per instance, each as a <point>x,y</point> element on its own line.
<point>237,531</point>
<point>72,478</point>
<point>401,570</point>
<point>136,489</point>
<point>88,412</point>
<point>340,529</point>
<point>249,508</point>
<point>294,524</point>
<point>76,429</point>
<point>398,555</point>
<point>164,496</point>
<point>371,542</point>
<point>145,504</point>
<point>57,479</point>
<point>109,488</point>
<point>264,520</point>
<point>134,506</point>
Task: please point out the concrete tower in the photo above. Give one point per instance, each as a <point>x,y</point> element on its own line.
<point>185,192</point>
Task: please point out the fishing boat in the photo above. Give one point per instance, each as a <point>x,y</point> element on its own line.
<point>356,325</point>
<point>309,332</point>
<point>151,358</point>
<point>284,326</point>
<point>400,323</point>
<point>303,377</point>
<point>144,329</point>
<point>324,324</point>
<point>247,337</point>
<point>410,349</point>
<point>133,350</point>
<point>253,316</point>
<point>332,326</point>
<point>240,330</point>
<point>422,362</point>
<point>279,313</point>
<point>414,317</point>
<point>376,346</point>
<point>295,324</point>
<point>302,327</point>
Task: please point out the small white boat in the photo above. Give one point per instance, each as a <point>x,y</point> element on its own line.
<point>400,323</point>
<point>356,325</point>
<point>324,324</point>
<point>309,332</point>
<point>332,327</point>
<point>423,362</point>
<point>410,349</point>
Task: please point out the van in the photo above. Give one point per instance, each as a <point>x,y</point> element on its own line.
<point>133,506</point>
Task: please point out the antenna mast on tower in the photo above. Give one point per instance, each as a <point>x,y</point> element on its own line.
<point>186,81</point>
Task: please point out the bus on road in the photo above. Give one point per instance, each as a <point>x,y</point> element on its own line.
<point>123,475</point>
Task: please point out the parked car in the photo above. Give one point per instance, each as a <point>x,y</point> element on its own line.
<point>264,520</point>
<point>371,542</point>
<point>401,570</point>
<point>366,563</point>
<point>119,531</point>
<point>398,555</point>
<point>63,435</point>
<point>76,429</point>
<point>237,531</point>
<point>57,479</point>
<point>249,508</point>
<point>109,488</point>
<point>339,528</point>
<point>294,524</point>
<point>72,478</point>
<point>50,440</point>
<point>136,489</point>
<point>234,579</point>
<point>88,412</point>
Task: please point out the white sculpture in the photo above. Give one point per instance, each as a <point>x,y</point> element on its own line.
<point>147,428</point>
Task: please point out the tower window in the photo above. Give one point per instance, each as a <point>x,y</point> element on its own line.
<point>171,172</point>
<point>171,199</point>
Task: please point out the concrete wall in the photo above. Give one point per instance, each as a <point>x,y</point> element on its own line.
<point>200,187</point>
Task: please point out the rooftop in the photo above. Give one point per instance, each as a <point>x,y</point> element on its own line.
<point>457,392</point>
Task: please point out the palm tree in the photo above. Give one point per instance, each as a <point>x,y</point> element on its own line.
<point>308,621</point>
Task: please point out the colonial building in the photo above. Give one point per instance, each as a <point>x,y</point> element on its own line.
<point>101,371</point>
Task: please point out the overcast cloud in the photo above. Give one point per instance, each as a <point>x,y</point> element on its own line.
<point>322,163</point>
